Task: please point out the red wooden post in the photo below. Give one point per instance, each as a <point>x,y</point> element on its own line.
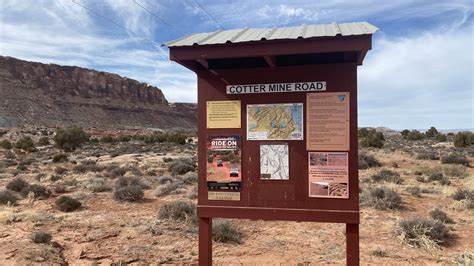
<point>205,241</point>
<point>352,244</point>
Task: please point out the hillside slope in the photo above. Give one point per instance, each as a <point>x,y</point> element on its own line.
<point>53,95</point>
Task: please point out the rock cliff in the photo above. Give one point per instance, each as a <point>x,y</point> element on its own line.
<point>53,95</point>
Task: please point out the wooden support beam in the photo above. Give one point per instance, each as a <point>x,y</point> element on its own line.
<point>361,57</point>
<point>203,63</point>
<point>271,61</point>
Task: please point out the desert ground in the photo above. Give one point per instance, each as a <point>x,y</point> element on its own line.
<point>115,224</point>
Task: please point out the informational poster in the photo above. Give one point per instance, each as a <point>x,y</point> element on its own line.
<point>274,162</point>
<point>327,121</point>
<point>275,121</point>
<point>223,114</point>
<point>224,163</point>
<point>328,174</point>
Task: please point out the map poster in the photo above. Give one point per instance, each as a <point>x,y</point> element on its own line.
<point>223,114</point>
<point>275,121</point>
<point>328,174</point>
<point>327,121</point>
<point>223,169</point>
<point>274,162</point>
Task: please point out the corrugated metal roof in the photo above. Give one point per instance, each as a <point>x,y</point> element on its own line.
<point>258,34</point>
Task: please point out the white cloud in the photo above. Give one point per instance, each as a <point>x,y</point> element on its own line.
<point>287,13</point>
<point>419,81</point>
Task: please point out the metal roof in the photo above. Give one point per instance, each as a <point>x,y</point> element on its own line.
<point>258,34</point>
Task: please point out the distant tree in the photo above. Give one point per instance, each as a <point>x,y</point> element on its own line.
<point>414,135</point>
<point>363,132</point>
<point>441,137</point>
<point>374,139</point>
<point>463,139</point>
<point>405,132</point>
<point>26,144</point>
<point>5,144</point>
<point>431,133</point>
<point>70,138</point>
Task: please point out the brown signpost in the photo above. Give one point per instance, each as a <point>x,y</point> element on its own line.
<point>277,125</point>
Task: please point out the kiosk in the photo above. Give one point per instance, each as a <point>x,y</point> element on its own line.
<point>277,125</point>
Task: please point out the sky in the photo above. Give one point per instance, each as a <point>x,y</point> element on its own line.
<point>418,74</point>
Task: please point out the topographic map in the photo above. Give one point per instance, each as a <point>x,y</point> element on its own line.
<point>275,121</point>
<point>274,161</point>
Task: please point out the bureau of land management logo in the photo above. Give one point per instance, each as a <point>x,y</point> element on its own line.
<point>341,98</point>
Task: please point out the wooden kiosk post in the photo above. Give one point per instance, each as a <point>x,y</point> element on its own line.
<point>277,125</point>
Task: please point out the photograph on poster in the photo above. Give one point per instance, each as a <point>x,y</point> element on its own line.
<point>274,162</point>
<point>328,174</point>
<point>223,170</point>
<point>275,121</point>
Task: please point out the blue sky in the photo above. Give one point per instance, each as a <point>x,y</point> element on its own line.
<point>418,74</point>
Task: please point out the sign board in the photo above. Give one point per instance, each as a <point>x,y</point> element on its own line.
<point>277,130</point>
<point>276,87</point>
<point>223,114</point>
<point>327,126</point>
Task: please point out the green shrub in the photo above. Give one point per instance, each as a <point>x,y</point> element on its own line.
<point>436,177</point>
<point>6,197</point>
<point>125,181</point>
<point>60,170</point>
<point>107,139</point>
<point>179,211</point>
<point>379,253</point>
<point>463,193</point>
<point>455,170</point>
<point>425,233</point>
<point>88,166</point>
<point>431,133</point>
<point>164,179</point>
<point>67,204</point>
<point>413,135</point>
<point>43,141</point>
<point>181,166</point>
<point>60,158</point>
<point>41,237</point>
<point>98,184</point>
<point>166,189</point>
<point>363,132</point>
<point>463,139</point>
<point>441,138</point>
<point>17,184</point>
<point>381,198</point>
<point>71,138</point>
<point>26,144</point>
<point>368,161</point>
<point>387,176</point>
<point>374,139</point>
<point>5,144</point>
<point>438,214</point>
<point>224,231</point>
<point>38,191</point>
<point>427,155</point>
<point>129,193</point>
<point>124,138</point>
<point>414,191</point>
<point>455,159</point>
<point>115,171</point>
